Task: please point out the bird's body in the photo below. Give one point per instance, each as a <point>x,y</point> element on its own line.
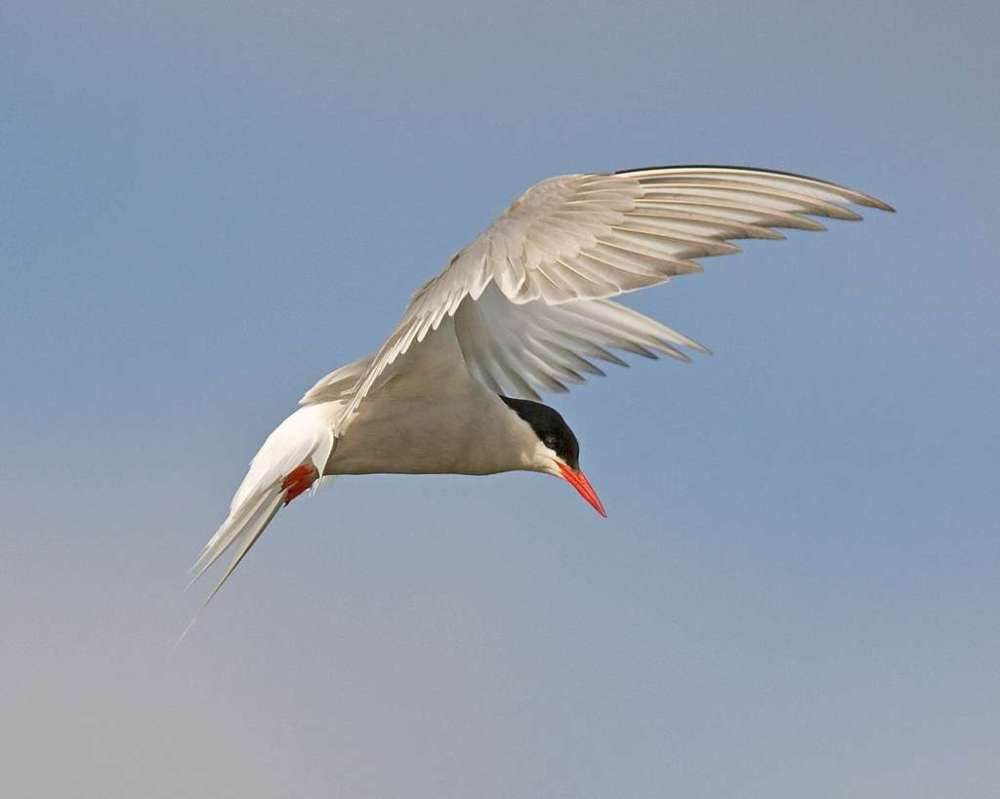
<point>523,309</point>
<point>436,419</point>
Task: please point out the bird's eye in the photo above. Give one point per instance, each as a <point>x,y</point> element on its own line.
<point>550,442</point>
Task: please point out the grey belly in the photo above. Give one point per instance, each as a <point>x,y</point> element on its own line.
<point>422,437</point>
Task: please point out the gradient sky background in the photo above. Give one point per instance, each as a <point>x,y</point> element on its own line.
<point>206,206</point>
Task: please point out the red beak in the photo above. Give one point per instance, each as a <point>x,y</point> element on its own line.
<point>579,481</point>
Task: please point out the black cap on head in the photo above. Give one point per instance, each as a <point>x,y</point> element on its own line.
<point>550,428</point>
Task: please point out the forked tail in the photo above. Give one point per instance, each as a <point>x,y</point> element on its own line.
<point>290,461</point>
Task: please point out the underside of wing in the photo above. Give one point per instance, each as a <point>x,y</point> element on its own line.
<point>590,236</point>
<point>522,350</point>
<point>531,290</point>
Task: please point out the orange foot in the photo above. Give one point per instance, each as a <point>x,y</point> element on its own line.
<point>298,480</point>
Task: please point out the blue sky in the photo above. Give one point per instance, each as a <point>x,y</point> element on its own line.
<point>206,207</point>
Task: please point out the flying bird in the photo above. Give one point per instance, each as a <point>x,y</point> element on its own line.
<point>524,309</point>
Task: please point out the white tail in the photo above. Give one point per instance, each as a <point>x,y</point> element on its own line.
<point>292,458</point>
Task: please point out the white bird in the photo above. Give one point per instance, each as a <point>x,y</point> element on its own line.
<point>523,309</point>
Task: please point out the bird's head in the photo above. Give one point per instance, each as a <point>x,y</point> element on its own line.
<point>557,451</point>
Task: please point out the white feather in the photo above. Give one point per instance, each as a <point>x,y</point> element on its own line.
<point>304,437</point>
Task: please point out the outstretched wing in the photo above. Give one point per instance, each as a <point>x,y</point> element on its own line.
<point>529,294</point>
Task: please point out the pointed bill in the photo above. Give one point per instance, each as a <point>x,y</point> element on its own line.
<point>579,481</point>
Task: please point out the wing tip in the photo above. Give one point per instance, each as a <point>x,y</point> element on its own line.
<point>875,202</point>
<point>856,197</point>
